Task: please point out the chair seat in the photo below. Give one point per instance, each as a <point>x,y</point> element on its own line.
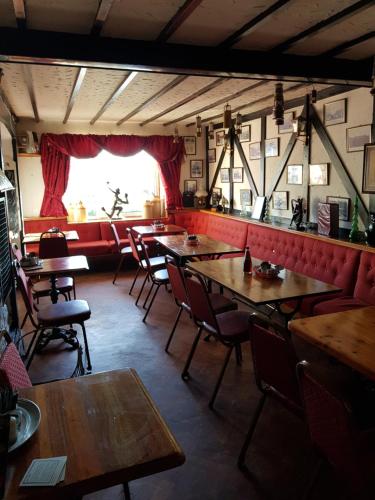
<point>221,304</point>
<point>128,250</point>
<point>154,262</point>
<point>63,313</point>
<point>64,284</point>
<point>161,276</point>
<point>234,325</point>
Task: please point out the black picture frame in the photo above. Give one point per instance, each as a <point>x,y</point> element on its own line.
<point>368,179</point>
<point>280,200</point>
<point>196,169</point>
<point>237,175</point>
<point>190,186</point>
<point>362,140</point>
<point>275,141</point>
<point>245,197</point>
<point>220,137</point>
<point>245,137</point>
<point>289,174</point>
<point>190,142</point>
<point>329,121</point>
<point>258,154</point>
<point>344,206</point>
<point>224,175</point>
<point>211,155</point>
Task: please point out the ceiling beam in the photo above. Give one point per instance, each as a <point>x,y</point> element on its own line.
<point>347,45</point>
<point>134,55</point>
<point>20,13</point>
<point>328,22</point>
<point>101,16</point>
<point>247,28</point>
<point>154,98</point>
<point>217,103</point>
<point>81,73</point>
<point>187,99</point>
<point>176,21</point>
<point>30,88</point>
<point>115,95</point>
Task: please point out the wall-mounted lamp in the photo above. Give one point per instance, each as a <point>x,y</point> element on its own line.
<point>198,122</point>
<point>211,130</point>
<point>227,117</point>
<point>176,137</point>
<point>278,105</point>
<point>238,124</point>
<point>314,96</point>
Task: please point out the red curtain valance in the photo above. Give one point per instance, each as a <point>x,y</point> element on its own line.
<point>56,151</point>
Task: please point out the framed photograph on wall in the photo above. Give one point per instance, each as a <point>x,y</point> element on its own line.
<point>238,174</point>
<point>190,144</point>
<point>212,155</point>
<point>272,147</point>
<point>245,197</point>
<point>294,174</point>
<point>224,175</point>
<point>287,127</point>
<point>280,200</point>
<point>344,206</point>
<point>216,196</point>
<point>357,137</point>
<point>190,186</point>
<point>368,182</point>
<point>318,174</point>
<point>196,168</point>
<point>245,134</point>
<point>254,150</point>
<point>220,136</point>
<point>335,112</point>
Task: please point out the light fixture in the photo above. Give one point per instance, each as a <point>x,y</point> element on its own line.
<point>176,137</point>
<point>227,117</point>
<point>198,122</point>
<point>278,105</point>
<point>314,95</point>
<point>238,124</point>
<point>211,130</point>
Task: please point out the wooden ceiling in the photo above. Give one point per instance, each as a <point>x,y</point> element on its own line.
<point>203,40</point>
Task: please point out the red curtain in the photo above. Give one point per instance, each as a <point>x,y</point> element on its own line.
<point>57,149</point>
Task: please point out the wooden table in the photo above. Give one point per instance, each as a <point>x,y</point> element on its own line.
<point>347,336</point>
<point>145,231</point>
<point>35,237</point>
<point>108,427</point>
<point>207,247</point>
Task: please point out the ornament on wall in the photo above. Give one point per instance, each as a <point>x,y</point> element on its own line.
<point>176,137</point>
<point>238,124</point>
<point>314,96</point>
<point>211,130</point>
<point>198,122</point>
<point>278,105</point>
<point>227,117</point>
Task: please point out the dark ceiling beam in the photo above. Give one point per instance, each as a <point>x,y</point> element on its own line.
<point>216,103</point>
<point>101,16</point>
<point>187,99</point>
<point>247,28</point>
<point>81,73</point>
<point>30,88</point>
<point>347,45</point>
<point>176,21</point>
<point>154,98</point>
<point>328,22</point>
<point>134,55</point>
<point>115,95</point>
<point>20,13</point>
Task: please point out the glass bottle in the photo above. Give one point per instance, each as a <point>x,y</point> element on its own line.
<point>247,264</point>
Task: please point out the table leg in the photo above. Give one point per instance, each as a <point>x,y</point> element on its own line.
<point>54,291</point>
<point>289,313</point>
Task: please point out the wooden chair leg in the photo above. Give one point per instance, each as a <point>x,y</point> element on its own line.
<point>141,290</point>
<point>89,367</point>
<point>134,280</point>
<point>118,268</point>
<point>238,354</point>
<point>253,424</point>
<point>185,372</point>
<point>218,383</point>
<point>31,350</point>
<point>173,329</point>
<point>152,301</point>
<point>126,491</point>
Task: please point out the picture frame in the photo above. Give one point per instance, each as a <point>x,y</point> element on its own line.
<point>245,134</point>
<point>368,180</point>
<point>196,168</point>
<point>190,186</point>
<point>287,126</point>
<point>245,197</point>
<point>344,206</point>
<point>224,175</point>
<point>220,136</point>
<point>190,144</point>
<point>295,174</point>
<point>334,112</point>
<point>258,208</point>
<point>254,151</point>
<point>216,196</point>
<point>357,137</point>
<point>280,200</point>
<point>211,155</point>
<point>237,175</point>
<point>318,174</point>
<point>272,147</point>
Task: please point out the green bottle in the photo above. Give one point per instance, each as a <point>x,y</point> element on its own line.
<point>354,234</point>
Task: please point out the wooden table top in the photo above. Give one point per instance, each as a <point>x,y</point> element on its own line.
<point>108,427</point>
<point>288,285</point>
<point>60,265</point>
<point>35,237</point>
<point>207,246</point>
<point>150,231</point>
<point>347,336</point>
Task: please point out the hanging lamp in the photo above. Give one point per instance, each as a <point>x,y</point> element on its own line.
<point>278,105</point>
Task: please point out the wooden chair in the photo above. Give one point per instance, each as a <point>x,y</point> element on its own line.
<point>122,252</point>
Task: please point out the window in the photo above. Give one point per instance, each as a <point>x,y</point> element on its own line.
<point>90,181</point>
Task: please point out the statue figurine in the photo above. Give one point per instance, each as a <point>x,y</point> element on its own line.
<point>297,210</point>
<point>117,202</point>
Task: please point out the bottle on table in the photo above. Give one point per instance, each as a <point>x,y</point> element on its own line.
<point>247,264</point>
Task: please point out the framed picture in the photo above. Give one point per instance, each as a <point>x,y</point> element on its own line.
<point>357,137</point>
<point>254,150</point>
<point>368,182</point>
<point>245,197</point>
<point>344,206</point>
<point>287,127</point>
<point>258,208</point>
<point>238,174</point>
<point>196,168</point>
<point>216,196</point>
<point>280,200</point>
<point>224,175</point>
<point>272,147</point>
<point>245,134</point>
<point>335,112</point>
<point>190,186</point>
<point>212,155</point>
<point>318,174</point>
<point>294,174</point>
<point>220,135</point>
<point>190,144</point>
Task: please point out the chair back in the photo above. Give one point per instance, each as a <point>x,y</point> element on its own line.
<point>24,285</point>
<point>16,252</point>
<point>116,237</point>
<point>199,302</point>
<point>13,373</point>
<point>176,280</point>
<point>275,361</point>
<point>133,245</point>
<point>53,245</point>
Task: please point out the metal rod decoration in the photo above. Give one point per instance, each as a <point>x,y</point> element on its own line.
<point>278,106</point>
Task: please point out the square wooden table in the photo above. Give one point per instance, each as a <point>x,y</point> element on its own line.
<point>347,336</point>
<point>144,231</point>
<point>35,237</point>
<point>108,427</point>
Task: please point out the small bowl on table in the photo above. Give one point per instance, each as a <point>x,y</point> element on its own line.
<point>192,240</point>
<point>157,225</point>
<point>267,271</point>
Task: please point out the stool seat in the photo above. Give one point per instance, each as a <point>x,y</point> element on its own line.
<point>63,313</point>
<point>235,325</point>
<point>161,276</point>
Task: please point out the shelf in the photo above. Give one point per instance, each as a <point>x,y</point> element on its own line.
<point>28,155</point>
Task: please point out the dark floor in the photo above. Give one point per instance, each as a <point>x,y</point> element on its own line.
<point>280,459</point>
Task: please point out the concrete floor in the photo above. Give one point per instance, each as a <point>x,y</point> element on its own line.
<point>280,458</point>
